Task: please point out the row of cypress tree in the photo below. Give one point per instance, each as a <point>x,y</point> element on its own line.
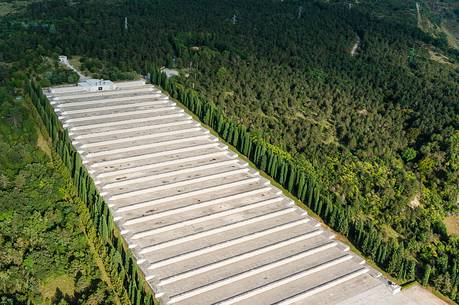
<point>126,272</point>
<point>388,254</point>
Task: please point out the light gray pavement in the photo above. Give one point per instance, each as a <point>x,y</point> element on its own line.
<point>204,226</point>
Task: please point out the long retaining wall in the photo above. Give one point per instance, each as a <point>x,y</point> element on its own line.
<point>202,227</point>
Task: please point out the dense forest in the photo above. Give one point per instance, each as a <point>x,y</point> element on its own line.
<point>377,128</point>
<point>45,255</point>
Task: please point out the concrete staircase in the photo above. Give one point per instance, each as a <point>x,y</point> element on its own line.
<point>204,226</point>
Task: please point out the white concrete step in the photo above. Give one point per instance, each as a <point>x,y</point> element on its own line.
<point>298,286</point>
<point>189,188</point>
<point>352,291</point>
<point>151,203</point>
<point>119,140</point>
<point>266,268</point>
<point>144,131</point>
<point>156,111</point>
<point>327,285</point>
<point>139,115</point>
<point>170,180</point>
<point>101,114</point>
<point>97,102</point>
<point>144,146</point>
<point>268,250</point>
<point>144,142</point>
<point>202,219</point>
<point>153,155</point>
<point>250,273</point>
<point>204,152</point>
<point>122,130</point>
<point>120,123</point>
<point>152,189</point>
<point>99,110</point>
<point>128,125</point>
<point>156,176</point>
<point>228,243</point>
<point>191,207</point>
<point>196,200</point>
<point>285,281</point>
<point>206,258</point>
<point>100,99</point>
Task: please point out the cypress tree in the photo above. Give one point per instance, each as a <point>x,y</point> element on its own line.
<point>310,188</point>
<point>319,207</point>
<point>401,270</point>
<point>396,258</point>
<point>273,168</point>
<point>291,178</point>
<point>316,195</point>
<point>235,137</point>
<point>411,274</point>
<point>426,276</point>
<point>375,246</point>
<point>327,210</point>
<point>453,293</point>
<point>365,242</point>
<point>332,217</point>
<point>263,162</point>
<point>301,185</point>
<point>359,231</point>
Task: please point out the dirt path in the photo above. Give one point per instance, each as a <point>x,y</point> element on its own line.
<point>66,63</point>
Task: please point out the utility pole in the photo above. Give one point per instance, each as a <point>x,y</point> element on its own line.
<point>234,19</point>
<point>125,24</point>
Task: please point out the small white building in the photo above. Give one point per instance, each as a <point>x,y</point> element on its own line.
<point>63,59</point>
<point>93,85</point>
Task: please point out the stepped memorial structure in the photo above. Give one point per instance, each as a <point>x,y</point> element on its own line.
<point>204,226</point>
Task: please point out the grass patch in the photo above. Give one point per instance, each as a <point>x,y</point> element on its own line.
<point>64,283</point>
<point>74,60</point>
<point>12,7</point>
<point>452,225</point>
<point>451,29</point>
<point>43,145</point>
<point>408,285</point>
<point>6,8</point>
<point>389,231</point>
